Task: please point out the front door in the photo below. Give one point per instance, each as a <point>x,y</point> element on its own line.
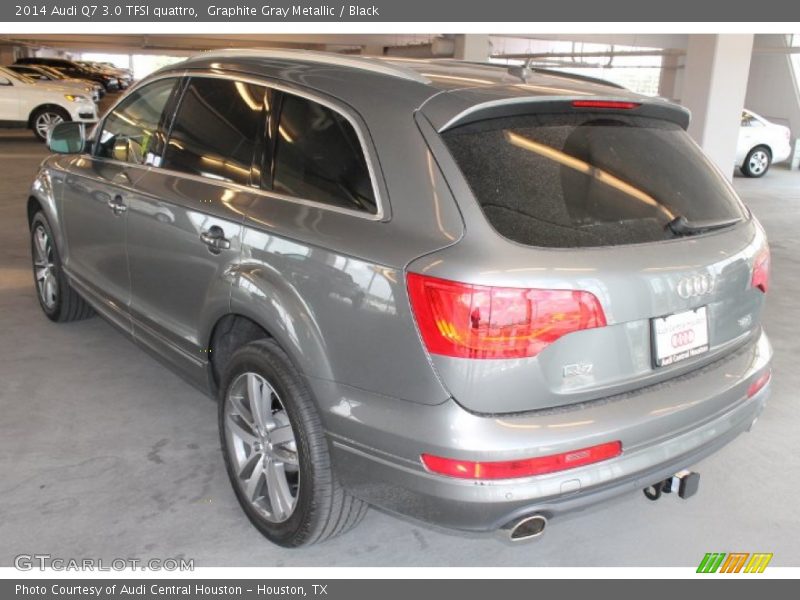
<point>184,228</point>
<point>98,191</point>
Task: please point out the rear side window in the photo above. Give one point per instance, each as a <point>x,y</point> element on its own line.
<point>215,129</point>
<point>132,132</point>
<point>572,180</point>
<point>318,157</point>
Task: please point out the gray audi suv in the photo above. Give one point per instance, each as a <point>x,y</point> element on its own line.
<point>477,296</point>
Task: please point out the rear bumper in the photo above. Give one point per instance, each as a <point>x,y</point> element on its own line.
<point>376,443</point>
<point>781,152</point>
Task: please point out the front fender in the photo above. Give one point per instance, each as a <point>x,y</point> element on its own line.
<point>45,194</point>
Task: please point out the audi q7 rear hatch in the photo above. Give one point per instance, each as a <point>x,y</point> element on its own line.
<point>604,252</point>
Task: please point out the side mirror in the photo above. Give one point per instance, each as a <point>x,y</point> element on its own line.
<point>67,138</point>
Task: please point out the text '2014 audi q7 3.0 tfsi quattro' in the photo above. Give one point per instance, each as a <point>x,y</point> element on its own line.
<point>476,296</point>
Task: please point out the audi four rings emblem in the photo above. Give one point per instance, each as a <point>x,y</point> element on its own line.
<point>695,285</point>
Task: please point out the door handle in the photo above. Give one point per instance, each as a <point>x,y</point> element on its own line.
<point>116,205</point>
<point>215,239</point>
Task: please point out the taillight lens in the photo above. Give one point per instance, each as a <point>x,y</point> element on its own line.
<point>608,104</point>
<point>526,467</point>
<point>473,321</point>
<point>759,383</point>
<point>761,267</point>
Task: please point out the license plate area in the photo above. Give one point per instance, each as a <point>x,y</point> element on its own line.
<point>679,336</point>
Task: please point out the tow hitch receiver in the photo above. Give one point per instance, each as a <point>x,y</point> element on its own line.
<point>685,483</point>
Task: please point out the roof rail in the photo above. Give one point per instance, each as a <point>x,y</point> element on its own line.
<point>518,70</point>
<point>586,78</point>
<point>374,65</point>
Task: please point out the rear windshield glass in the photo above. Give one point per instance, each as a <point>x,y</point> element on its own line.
<point>567,180</point>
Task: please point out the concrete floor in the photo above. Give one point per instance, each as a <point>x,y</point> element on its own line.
<point>106,453</point>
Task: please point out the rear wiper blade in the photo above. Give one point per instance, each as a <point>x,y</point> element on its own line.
<point>680,225</point>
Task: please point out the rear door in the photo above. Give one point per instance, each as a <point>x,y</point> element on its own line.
<point>184,227</point>
<point>617,203</point>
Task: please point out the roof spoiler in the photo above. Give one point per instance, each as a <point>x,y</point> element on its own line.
<point>510,107</point>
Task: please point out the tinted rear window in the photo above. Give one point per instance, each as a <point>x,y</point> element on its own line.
<point>318,157</point>
<point>567,180</point>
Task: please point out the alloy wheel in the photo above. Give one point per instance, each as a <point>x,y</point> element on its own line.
<point>262,447</point>
<point>44,268</point>
<point>46,121</point>
<point>759,161</point>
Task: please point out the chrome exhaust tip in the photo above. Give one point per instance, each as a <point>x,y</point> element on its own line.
<point>528,528</point>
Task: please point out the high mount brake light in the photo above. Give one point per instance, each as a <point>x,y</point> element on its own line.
<point>608,104</point>
<point>480,322</point>
<point>526,467</point>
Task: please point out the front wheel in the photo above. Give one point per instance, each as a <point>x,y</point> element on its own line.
<point>276,453</point>
<point>45,119</point>
<point>757,162</point>
<point>59,301</point>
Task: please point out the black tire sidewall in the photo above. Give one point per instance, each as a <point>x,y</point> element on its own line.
<point>266,359</point>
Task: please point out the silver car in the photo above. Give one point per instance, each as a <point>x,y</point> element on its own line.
<point>477,296</point>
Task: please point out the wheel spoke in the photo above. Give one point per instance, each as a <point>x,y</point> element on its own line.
<point>252,479</point>
<point>239,427</point>
<point>40,243</point>
<point>259,395</point>
<point>50,289</point>
<point>281,435</point>
<point>241,408</point>
<point>254,398</point>
<point>280,496</point>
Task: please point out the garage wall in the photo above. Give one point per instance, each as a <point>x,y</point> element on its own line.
<point>772,90</point>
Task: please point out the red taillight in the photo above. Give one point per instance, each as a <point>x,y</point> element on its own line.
<point>760,279</point>
<point>759,383</point>
<point>473,321</point>
<point>612,104</point>
<point>526,467</point>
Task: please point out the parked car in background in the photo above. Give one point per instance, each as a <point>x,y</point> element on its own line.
<point>422,285</point>
<point>39,106</point>
<point>41,74</point>
<point>761,143</point>
<point>123,75</point>
<point>70,68</point>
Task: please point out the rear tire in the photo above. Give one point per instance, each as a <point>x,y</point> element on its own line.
<point>44,119</point>
<point>58,300</point>
<point>757,162</point>
<point>276,452</point>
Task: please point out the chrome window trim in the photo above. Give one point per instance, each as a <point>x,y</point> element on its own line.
<point>382,212</point>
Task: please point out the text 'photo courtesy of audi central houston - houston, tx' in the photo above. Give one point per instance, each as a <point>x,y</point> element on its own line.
<point>475,295</point>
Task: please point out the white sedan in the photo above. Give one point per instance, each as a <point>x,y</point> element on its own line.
<point>760,144</point>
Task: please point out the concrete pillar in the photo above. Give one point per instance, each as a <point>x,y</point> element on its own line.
<point>714,87</point>
<point>7,55</point>
<point>373,50</point>
<point>472,47</point>
<point>773,91</point>
<point>668,81</point>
